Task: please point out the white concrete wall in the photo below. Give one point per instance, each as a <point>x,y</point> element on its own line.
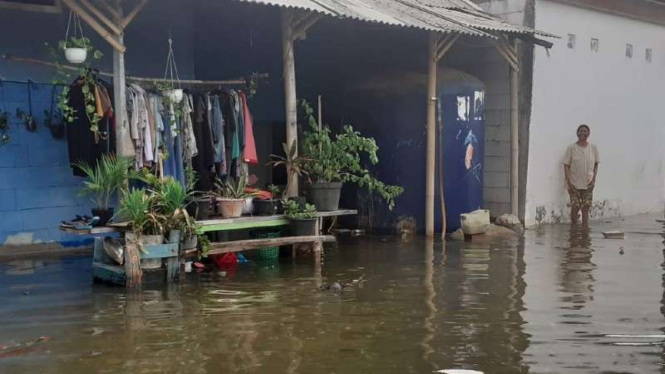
<point>620,98</point>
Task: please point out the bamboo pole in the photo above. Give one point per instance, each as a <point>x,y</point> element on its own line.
<point>123,145</point>
<point>514,139</point>
<point>289,73</point>
<point>130,17</point>
<point>431,135</point>
<point>102,17</point>
<point>240,81</point>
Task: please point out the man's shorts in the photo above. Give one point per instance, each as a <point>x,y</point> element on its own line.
<point>581,198</point>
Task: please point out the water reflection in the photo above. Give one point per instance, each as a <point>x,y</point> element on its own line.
<point>576,268</point>
<point>423,307</point>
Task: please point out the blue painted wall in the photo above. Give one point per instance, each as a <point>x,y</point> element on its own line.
<point>37,188</point>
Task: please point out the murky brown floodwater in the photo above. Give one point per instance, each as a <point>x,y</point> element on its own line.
<point>560,302</point>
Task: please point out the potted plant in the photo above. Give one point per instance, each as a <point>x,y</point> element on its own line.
<point>136,207</point>
<point>266,203</point>
<point>231,196</point>
<point>76,49</point>
<point>334,161</point>
<point>53,121</point>
<point>108,176</point>
<point>295,166</point>
<point>302,221</point>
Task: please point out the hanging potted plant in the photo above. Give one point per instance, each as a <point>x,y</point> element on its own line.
<point>231,196</point>
<point>302,221</point>
<point>172,91</point>
<point>334,161</point>
<point>76,47</point>
<point>108,176</point>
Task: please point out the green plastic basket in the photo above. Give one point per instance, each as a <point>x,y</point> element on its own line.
<point>267,253</point>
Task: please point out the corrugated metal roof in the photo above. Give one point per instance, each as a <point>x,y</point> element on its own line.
<point>446,16</point>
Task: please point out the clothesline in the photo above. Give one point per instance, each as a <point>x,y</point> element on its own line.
<point>239,81</point>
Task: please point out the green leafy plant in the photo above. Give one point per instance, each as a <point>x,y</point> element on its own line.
<point>340,159</point>
<point>109,175</point>
<point>232,189</point>
<point>292,210</point>
<point>63,77</point>
<point>274,190</point>
<point>296,165</point>
<point>136,207</point>
<point>169,104</point>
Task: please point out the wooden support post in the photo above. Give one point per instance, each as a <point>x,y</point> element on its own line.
<point>123,146</point>
<point>431,135</point>
<point>291,108</point>
<point>514,137</point>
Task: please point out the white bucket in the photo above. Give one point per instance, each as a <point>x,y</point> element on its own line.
<point>476,222</point>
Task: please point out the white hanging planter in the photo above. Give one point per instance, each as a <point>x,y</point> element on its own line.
<point>175,95</point>
<point>76,55</point>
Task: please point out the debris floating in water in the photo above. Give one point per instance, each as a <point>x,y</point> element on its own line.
<point>614,234</point>
<point>458,371</point>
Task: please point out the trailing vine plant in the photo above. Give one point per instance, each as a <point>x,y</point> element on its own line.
<point>62,77</point>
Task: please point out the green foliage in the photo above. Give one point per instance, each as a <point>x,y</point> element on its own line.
<point>136,207</point>
<point>274,190</point>
<point>63,77</point>
<point>232,189</point>
<point>296,165</point>
<point>110,174</point>
<point>341,159</point>
<point>293,211</point>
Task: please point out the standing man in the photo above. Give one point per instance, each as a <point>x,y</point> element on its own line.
<point>580,166</point>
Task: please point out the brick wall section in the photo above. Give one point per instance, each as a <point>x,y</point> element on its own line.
<point>37,187</point>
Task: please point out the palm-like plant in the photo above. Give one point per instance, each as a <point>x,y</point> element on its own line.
<point>109,175</point>
<point>136,207</point>
<point>233,189</point>
<point>294,164</point>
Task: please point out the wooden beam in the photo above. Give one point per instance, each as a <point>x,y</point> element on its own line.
<point>243,245</point>
<point>102,17</point>
<point>440,53</point>
<point>104,33</point>
<point>130,17</point>
<point>430,171</point>
<point>290,101</point>
<point>239,81</point>
<point>111,9</point>
<point>514,140</point>
<point>300,27</point>
<point>506,56</point>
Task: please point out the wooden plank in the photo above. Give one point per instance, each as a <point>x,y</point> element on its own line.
<point>108,273</point>
<point>101,17</point>
<point>130,17</point>
<point>227,224</point>
<point>94,230</point>
<point>243,245</point>
<point>104,33</point>
<point>160,251</point>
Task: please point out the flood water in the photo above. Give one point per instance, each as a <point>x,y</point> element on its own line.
<point>559,301</point>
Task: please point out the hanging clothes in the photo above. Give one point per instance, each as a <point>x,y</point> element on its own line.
<point>82,144</point>
<point>249,152</point>
<point>203,162</point>
<point>173,163</point>
<point>218,136</point>
<point>189,140</point>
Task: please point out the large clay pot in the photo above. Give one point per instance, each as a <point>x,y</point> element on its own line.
<point>231,208</point>
<point>324,195</point>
